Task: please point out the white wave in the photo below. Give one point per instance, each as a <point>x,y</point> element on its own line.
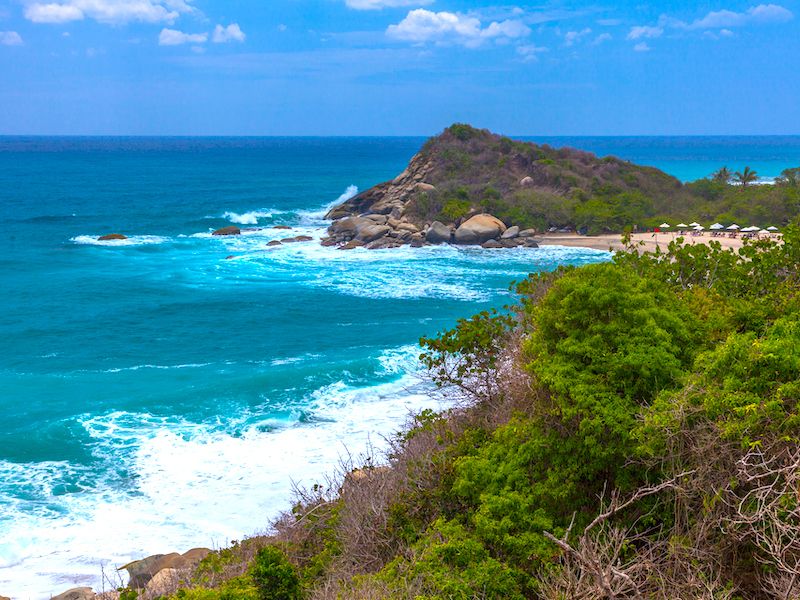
<point>316,215</point>
<point>172,484</point>
<point>137,367</point>
<point>248,218</point>
<point>134,240</point>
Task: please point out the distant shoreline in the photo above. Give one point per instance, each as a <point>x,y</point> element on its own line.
<point>613,241</point>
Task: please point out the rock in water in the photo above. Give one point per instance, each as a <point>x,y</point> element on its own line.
<point>281,227</point>
<point>112,236</point>
<point>479,229</point>
<point>510,233</point>
<point>81,593</point>
<point>492,244</point>
<point>437,233</point>
<point>230,230</point>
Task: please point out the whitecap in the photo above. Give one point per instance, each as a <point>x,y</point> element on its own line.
<point>134,240</point>
<point>248,218</point>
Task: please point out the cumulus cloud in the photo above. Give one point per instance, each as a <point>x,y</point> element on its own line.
<point>574,36</point>
<point>113,12</point>
<point>226,34</point>
<point>10,38</point>
<point>422,25</point>
<point>641,47</point>
<point>641,31</point>
<point>377,4</point>
<point>603,37</point>
<point>172,37</point>
<point>529,53</point>
<point>763,13</point>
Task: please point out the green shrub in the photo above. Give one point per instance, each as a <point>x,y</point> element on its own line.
<point>274,576</point>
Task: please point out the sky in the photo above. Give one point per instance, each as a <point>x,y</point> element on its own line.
<point>397,67</point>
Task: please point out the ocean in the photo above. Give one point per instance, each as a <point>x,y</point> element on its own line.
<point>168,391</point>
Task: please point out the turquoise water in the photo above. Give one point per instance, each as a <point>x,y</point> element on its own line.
<point>158,395</point>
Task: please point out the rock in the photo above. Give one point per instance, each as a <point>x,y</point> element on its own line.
<point>110,236</point>
<point>298,238</point>
<point>281,227</point>
<point>81,593</point>
<point>348,225</point>
<point>510,233</point>
<point>4,598</point>
<point>396,212</point>
<point>492,244</point>
<point>137,566</point>
<point>109,595</point>
<point>163,583</point>
<point>338,212</point>
<point>403,234</point>
<point>507,243</point>
<point>438,232</point>
<point>416,243</point>
<point>526,182</point>
<point>384,242</point>
<point>190,558</point>
<point>529,243</point>
<point>408,227</point>
<point>351,245</point>
<point>424,187</point>
<point>371,233</point>
<point>230,230</point>
<point>379,219</point>
<point>479,229</point>
<point>274,243</point>
<point>328,241</point>
<point>527,233</point>
<point>393,223</point>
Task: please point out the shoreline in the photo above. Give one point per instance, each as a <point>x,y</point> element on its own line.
<point>612,242</point>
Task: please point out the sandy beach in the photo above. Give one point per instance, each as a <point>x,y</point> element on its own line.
<point>651,240</point>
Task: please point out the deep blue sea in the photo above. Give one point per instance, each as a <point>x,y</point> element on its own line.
<point>157,395</point>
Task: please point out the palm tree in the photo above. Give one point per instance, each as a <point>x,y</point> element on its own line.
<point>746,176</point>
<point>722,175</point>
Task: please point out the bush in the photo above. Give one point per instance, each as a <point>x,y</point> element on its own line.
<point>274,576</point>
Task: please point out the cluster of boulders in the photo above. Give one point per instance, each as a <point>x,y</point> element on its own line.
<point>154,576</point>
<point>381,231</point>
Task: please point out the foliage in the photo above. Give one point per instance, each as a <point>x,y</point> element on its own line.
<point>274,576</point>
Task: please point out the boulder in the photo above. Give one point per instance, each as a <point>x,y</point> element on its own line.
<point>408,227</point>
<point>384,242</point>
<point>137,566</point>
<point>297,238</point>
<point>328,241</point>
<point>347,225</point>
<point>109,595</point>
<point>81,593</point>
<point>230,230</point>
<point>479,229</point>
<point>190,558</point>
<point>438,232</point>
<point>492,244</point>
<point>281,227</point>
<point>506,243</point>
<point>372,232</point>
<point>351,245</point>
<point>529,243</point>
<point>393,223</point>
<point>424,187</point>
<point>526,182</point>
<point>379,219</point>
<point>416,243</point>
<point>111,236</point>
<point>403,234</point>
<point>163,583</point>
<point>527,233</point>
<point>510,233</point>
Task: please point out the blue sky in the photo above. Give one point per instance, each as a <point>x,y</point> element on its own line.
<point>397,67</point>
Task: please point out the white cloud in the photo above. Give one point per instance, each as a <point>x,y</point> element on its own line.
<point>601,38</point>
<point>198,49</point>
<point>172,37</point>
<point>641,31</point>
<point>641,47</point>
<point>574,36</point>
<point>226,34</point>
<point>10,38</point>
<point>763,13</point>
<point>377,4</point>
<point>65,34</point>
<point>529,53</point>
<point>726,32</point>
<point>609,22</point>
<point>422,25</point>
<point>91,52</point>
<point>281,27</point>
<point>113,12</point>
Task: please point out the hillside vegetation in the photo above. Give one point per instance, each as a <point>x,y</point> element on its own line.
<point>474,170</point>
<point>624,430</point>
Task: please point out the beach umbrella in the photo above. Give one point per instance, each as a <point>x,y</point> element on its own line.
<point>694,224</point>
<point>763,232</point>
<point>751,228</point>
<point>664,226</point>
<point>699,228</point>
<point>682,225</point>
<point>734,226</point>
<point>772,228</point>
<point>717,226</point>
